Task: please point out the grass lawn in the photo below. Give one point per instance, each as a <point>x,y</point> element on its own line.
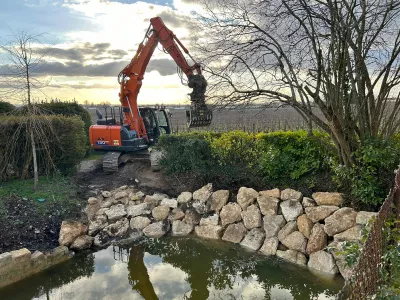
<point>54,190</point>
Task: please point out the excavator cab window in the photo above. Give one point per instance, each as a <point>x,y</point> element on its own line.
<point>150,123</point>
<point>164,121</point>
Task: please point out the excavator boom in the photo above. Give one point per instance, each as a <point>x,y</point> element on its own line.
<point>130,78</point>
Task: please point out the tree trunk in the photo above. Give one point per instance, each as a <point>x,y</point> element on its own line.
<point>35,166</point>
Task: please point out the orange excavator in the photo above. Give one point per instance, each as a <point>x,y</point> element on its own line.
<point>131,128</point>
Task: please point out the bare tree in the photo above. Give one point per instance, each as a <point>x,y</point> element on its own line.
<point>24,54</point>
<point>342,57</point>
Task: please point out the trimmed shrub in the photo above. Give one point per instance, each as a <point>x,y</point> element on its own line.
<point>291,155</point>
<point>6,107</point>
<point>68,109</point>
<point>237,158</point>
<point>61,138</point>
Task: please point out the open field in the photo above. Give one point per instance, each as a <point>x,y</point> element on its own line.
<point>250,120</point>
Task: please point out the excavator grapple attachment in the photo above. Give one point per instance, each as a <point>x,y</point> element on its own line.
<point>199,114</point>
<point>198,117</point>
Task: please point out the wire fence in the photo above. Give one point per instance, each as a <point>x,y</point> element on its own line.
<point>366,276</point>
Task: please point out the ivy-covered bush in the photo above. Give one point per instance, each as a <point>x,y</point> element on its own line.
<point>371,178</point>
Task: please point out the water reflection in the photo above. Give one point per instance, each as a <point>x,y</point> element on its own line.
<point>171,268</point>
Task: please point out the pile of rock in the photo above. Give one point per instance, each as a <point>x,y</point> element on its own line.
<point>282,223</point>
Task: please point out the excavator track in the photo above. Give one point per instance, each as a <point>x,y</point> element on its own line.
<point>110,162</point>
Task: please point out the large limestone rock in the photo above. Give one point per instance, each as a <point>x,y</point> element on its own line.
<point>185,197</point>
<point>326,198</point>
<point>192,217</point>
<point>295,241</point>
<point>289,194</point>
<point>180,228</point>
<point>82,242</point>
<point>139,222</point>
<point>268,205</point>
<point>318,239</point>
<point>363,217</point>
<point>118,229</point>
<point>293,256</point>
<point>353,234</point>
<point>97,225</point>
<point>286,230</point>
<point>319,213</point>
<point>156,230</point>
<point>106,194</point>
<point>291,209</point>
<point>340,220</point>
<point>209,231</point>
<point>234,233</point>
<point>138,210</point>
<point>177,214</point>
<point>160,213</point>
<point>272,225</point>
<point>274,193</point>
<point>254,239</point>
<point>203,194</point>
<point>218,200</point>
<point>120,195</point>
<point>305,225</point>
<point>246,196</point>
<point>337,252</point>
<point>210,220</point>
<point>230,213</point>
<point>151,201</point>
<point>323,262</point>
<point>92,208</point>
<point>200,207</point>
<point>344,269</point>
<point>270,246</point>
<point>308,202</point>
<point>172,203</point>
<point>69,231</point>
<point>251,217</point>
<point>116,212</point>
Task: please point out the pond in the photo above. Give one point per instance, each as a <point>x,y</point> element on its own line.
<point>174,268</point>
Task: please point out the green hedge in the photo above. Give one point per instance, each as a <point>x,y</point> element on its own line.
<point>231,159</point>
<point>65,141</point>
<point>284,159</point>
<point>6,107</point>
<point>68,109</point>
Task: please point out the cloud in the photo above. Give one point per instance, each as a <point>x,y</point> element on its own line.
<point>74,68</point>
<point>84,52</point>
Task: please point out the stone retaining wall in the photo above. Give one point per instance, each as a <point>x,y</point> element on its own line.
<point>306,231</point>
<point>19,264</point>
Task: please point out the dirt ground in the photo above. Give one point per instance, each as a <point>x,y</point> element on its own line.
<point>138,174</point>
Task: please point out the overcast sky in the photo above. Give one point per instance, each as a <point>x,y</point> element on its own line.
<point>92,40</point>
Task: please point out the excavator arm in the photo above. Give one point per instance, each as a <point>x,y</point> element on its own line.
<point>130,78</point>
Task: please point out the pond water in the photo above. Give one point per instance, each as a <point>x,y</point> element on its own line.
<point>174,268</point>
